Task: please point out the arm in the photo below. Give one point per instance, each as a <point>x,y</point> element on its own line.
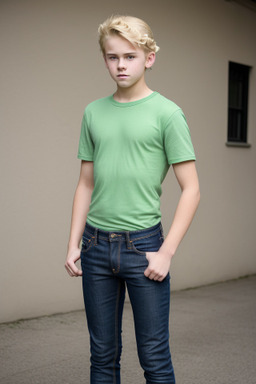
<point>81,205</point>
<point>159,262</point>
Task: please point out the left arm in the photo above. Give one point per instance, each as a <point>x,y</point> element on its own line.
<point>159,262</point>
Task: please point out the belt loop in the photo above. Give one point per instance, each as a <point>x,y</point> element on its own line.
<point>128,241</point>
<point>95,236</point>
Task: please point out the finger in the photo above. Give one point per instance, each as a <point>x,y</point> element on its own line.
<point>147,272</point>
<point>161,277</point>
<point>69,271</point>
<point>76,273</point>
<point>150,274</point>
<point>149,268</point>
<point>72,269</point>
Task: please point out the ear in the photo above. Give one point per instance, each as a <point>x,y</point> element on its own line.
<point>150,59</point>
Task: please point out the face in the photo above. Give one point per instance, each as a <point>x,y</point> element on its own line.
<point>126,63</point>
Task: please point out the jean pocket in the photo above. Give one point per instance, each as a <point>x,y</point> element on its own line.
<point>136,246</point>
<point>149,244</point>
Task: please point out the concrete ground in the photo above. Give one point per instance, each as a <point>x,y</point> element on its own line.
<point>213,340</point>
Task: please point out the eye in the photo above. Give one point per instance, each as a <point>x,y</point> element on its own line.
<point>130,57</point>
<point>112,58</point>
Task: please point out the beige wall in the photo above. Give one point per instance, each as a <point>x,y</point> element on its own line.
<point>50,69</point>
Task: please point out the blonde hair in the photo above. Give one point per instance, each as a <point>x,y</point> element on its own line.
<point>135,30</point>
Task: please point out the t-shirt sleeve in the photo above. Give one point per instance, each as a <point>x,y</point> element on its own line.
<point>86,147</point>
<point>177,140</point>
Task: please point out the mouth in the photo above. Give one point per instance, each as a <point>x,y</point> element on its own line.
<point>122,76</point>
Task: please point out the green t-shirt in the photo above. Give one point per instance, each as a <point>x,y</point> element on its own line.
<point>132,146</point>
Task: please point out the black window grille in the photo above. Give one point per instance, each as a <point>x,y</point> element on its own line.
<point>238,102</point>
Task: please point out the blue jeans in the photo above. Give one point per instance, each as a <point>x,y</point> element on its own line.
<point>112,261</point>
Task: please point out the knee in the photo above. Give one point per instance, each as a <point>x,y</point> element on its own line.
<point>104,355</point>
<point>157,364</point>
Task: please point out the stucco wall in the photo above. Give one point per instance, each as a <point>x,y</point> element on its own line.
<point>51,68</point>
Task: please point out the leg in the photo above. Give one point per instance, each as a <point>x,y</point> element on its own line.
<point>150,301</point>
<point>104,297</point>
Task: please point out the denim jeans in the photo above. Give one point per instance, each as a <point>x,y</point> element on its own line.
<point>112,262</point>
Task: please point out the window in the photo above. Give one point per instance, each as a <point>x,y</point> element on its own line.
<point>251,4</point>
<point>238,103</point>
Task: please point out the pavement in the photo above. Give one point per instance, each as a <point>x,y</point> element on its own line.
<point>213,340</point>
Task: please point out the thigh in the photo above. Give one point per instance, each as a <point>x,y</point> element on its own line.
<point>103,294</point>
<point>150,302</point>
<point>150,299</point>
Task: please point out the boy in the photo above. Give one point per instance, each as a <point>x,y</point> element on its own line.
<point>127,143</point>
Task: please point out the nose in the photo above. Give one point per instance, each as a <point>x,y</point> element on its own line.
<point>121,64</point>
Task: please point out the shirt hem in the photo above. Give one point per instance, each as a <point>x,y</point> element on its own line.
<point>122,228</point>
<point>181,160</point>
<point>86,158</point>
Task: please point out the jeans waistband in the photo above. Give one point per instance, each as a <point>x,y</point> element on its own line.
<point>122,235</point>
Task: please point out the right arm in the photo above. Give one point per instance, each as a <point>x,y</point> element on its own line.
<point>80,210</point>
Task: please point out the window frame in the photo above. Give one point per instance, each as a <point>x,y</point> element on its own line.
<point>238,97</point>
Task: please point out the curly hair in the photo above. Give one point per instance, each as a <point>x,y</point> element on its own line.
<point>135,30</point>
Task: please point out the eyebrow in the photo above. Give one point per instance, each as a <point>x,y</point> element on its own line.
<point>113,54</point>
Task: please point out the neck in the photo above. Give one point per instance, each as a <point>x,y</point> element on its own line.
<point>126,95</point>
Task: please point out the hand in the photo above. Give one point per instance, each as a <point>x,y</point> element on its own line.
<point>158,267</point>
<point>72,257</point>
